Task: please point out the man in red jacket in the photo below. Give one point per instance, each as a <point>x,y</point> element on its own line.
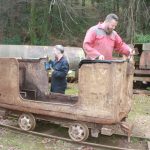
<point>101,40</point>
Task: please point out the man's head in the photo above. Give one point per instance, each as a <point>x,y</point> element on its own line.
<point>110,23</point>
<point>58,51</point>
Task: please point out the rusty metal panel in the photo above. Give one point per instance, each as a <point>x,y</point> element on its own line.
<point>106,90</point>
<point>10,93</point>
<point>9,81</point>
<point>145,60</point>
<point>104,98</point>
<point>35,79</point>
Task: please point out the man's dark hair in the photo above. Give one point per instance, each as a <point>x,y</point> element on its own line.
<point>111,17</point>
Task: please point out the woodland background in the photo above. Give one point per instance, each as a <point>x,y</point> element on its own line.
<point>49,22</point>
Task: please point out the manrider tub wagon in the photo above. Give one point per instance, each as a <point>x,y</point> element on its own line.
<point>103,101</point>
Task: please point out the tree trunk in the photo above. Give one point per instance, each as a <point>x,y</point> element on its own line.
<point>131,21</point>
<point>32,22</point>
<point>83,5</point>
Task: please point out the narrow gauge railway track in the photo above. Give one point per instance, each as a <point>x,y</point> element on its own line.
<point>37,133</point>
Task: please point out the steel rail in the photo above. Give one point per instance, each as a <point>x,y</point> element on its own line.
<point>135,136</point>
<point>64,139</point>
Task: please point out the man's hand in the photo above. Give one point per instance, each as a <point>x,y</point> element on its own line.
<point>101,57</point>
<point>48,58</point>
<point>132,52</point>
<point>50,71</point>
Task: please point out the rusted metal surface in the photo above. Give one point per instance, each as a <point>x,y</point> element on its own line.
<point>121,128</point>
<point>145,60</point>
<point>61,98</point>
<point>109,88</point>
<point>74,54</point>
<point>145,57</point>
<point>105,91</point>
<point>33,78</point>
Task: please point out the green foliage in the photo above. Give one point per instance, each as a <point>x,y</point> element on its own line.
<point>140,38</point>
<point>50,22</point>
<point>140,106</point>
<point>67,23</point>
<point>148,88</point>
<point>72,89</point>
<point>12,40</point>
<point>38,23</point>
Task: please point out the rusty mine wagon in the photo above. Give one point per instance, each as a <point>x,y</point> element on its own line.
<point>104,98</point>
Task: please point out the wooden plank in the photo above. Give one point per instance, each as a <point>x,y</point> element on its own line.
<point>143,72</point>
<point>147,79</point>
<point>135,91</point>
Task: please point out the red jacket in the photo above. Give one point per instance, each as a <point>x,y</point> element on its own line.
<point>97,43</point>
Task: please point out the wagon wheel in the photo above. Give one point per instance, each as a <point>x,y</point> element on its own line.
<point>27,122</point>
<point>78,132</point>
